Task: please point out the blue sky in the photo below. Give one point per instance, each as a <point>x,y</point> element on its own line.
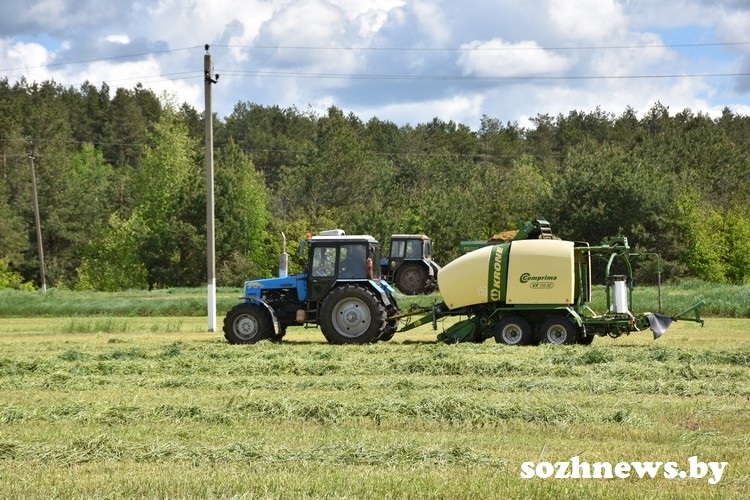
<point>404,61</point>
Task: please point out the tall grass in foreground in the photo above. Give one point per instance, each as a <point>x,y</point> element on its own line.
<point>159,408</point>
<point>721,300</point>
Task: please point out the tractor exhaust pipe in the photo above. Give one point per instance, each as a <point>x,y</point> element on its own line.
<point>283,258</point>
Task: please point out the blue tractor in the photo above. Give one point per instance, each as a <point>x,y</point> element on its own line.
<point>341,291</point>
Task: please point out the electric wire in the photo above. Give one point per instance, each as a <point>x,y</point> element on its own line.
<point>426,77</point>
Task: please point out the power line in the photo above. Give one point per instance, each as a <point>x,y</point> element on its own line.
<point>100,59</point>
<point>150,79</point>
<point>511,48</point>
<point>507,48</point>
<point>276,74</point>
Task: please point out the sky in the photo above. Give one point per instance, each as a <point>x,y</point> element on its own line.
<point>402,61</point>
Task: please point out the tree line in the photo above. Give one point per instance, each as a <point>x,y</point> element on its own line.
<point>122,199</point>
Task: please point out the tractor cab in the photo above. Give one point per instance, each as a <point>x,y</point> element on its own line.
<point>409,264</point>
<point>339,258</point>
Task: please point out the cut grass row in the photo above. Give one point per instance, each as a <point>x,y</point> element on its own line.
<point>157,407</point>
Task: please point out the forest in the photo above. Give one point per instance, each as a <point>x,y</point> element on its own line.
<point>121,185</point>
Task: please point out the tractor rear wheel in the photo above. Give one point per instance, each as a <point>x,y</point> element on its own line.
<point>558,330</point>
<point>390,331</point>
<point>411,279</point>
<point>585,340</point>
<point>513,330</point>
<point>247,323</point>
<point>352,315</point>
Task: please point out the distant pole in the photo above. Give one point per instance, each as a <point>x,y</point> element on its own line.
<point>36,216</point>
<point>210,236</point>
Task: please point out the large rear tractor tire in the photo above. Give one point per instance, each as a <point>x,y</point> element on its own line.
<point>247,323</point>
<point>585,340</point>
<point>352,315</point>
<point>390,331</point>
<point>514,330</point>
<point>411,279</point>
<point>558,330</point>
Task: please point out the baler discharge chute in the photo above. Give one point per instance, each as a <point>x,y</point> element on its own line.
<point>660,322</point>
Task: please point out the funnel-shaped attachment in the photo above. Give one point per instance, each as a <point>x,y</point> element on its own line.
<point>658,323</point>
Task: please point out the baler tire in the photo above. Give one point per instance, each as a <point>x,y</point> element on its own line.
<point>558,330</point>
<point>411,279</point>
<point>352,315</point>
<point>514,330</point>
<point>247,323</point>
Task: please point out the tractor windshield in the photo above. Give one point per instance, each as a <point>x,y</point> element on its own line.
<point>353,261</point>
<point>414,249</point>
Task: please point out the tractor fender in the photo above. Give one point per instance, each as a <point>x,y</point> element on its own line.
<point>434,268</point>
<point>265,305</point>
<point>385,292</point>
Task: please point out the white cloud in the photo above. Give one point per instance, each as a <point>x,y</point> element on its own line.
<point>459,108</point>
<point>589,20</point>
<point>121,39</point>
<point>595,46</point>
<point>431,20</point>
<point>499,58</point>
<point>26,60</point>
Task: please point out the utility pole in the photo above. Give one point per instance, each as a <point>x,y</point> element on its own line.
<point>36,216</point>
<point>210,235</point>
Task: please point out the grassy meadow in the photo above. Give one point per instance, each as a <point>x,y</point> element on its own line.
<point>147,403</point>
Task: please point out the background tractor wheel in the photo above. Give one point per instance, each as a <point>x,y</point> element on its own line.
<point>247,323</point>
<point>411,279</point>
<point>558,330</point>
<point>352,315</point>
<point>513,330</point>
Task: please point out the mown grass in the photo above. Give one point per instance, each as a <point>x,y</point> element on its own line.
<point>112,407</point>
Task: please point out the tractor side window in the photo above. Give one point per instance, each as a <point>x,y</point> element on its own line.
<point>324,260</point>
<point>397,248</point>
<point>413,249</point>
<point>373,257</point>
<point>352,261</point>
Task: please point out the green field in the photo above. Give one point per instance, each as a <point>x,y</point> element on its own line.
<point>113,406</point>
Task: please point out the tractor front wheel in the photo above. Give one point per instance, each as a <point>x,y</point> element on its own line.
<point>352,315</point>
<point>411,279</point>
<point>247,323</point>
<point>559,330</point>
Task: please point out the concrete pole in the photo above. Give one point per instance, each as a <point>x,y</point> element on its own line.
<point>37,219</point>
<point>210,235</point>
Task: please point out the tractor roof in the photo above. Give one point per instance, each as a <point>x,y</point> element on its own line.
<point>410,236</point>
<point>353,238</point>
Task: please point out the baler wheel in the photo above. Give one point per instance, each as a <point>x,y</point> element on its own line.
<point>352,315</point>
<point>247,323</point>
<point>513,330</point>
<point>558,330</point>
